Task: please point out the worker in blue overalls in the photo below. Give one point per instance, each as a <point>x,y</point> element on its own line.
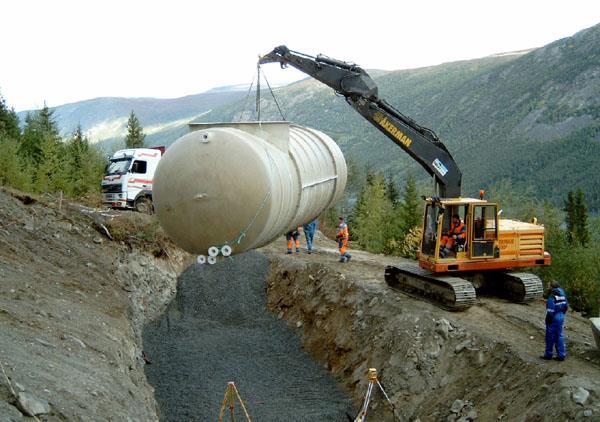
<point>556,307</point>
<point>309,232</point>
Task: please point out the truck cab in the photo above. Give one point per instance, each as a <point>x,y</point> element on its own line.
<point>128,179</point>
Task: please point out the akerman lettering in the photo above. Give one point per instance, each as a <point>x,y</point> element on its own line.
<point>389,127</point>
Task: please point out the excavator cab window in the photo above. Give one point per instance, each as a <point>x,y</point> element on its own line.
<point>450,245</point>
<point>432,211</point>
<point>485,230</point>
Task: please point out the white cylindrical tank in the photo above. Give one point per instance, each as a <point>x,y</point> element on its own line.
<point>244,184</point>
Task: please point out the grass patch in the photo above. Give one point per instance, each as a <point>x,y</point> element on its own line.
<point>140,230</point>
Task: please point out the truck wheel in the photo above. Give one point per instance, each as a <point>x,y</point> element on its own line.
<point>144,205</point>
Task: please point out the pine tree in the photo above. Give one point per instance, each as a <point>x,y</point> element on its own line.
<point>555,238</point>
<point>40,128</point>
<point>394,227</point>
<point>370,177</point>
<point>47,123</point>
<point>30,147</point>
<point>135,133</point>
<point>410,213</point>
<point>9,122</point>
<point>52,171</point>
<point>372,216</point>
<point>581,229</point>
<point>77,152</point>
<point>85,165</point>
<point>391,190</point>
<point>570,217</point>
<point>361,201</point>
<point>11,165</point>
<point>576,219</point>
<point>355,175</point>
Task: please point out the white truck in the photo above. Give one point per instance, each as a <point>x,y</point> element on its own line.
<point>128,179</point>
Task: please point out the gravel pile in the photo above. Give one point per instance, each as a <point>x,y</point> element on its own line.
<point>218,329</point>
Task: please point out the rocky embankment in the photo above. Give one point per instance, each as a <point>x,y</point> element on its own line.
<point>72,307</point>
<point>480,364</point>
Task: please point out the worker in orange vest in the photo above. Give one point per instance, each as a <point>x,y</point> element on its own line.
<point>456,236</point>
<point>293,236</point>
<point>342,238</point>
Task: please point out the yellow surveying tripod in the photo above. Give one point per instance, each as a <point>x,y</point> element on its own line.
<point>362,415</point>
<point>229,400</point>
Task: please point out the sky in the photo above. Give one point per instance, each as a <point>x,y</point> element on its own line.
<point>63,51</point>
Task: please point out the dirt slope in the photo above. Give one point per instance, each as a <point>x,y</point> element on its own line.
<point>72,305</point>
<point>435,364</point>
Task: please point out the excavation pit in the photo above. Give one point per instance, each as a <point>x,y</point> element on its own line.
<point>218,329</point>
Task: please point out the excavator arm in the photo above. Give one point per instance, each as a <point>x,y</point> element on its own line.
<point>361,93</point>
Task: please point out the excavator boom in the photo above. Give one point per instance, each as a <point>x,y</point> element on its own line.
<point>360,91</point>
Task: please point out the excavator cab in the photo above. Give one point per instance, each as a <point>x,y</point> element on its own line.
<point>473,221</point>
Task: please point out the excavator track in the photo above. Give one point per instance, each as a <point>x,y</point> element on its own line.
<point>452,293</point>
<point>522,287</point>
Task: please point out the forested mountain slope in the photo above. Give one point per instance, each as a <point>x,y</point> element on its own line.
<point>104,120</point>
<point>530,117</point>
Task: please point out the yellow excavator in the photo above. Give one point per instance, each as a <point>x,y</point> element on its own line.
<point>465,244</point>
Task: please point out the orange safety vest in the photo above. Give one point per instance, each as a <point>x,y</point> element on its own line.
<point>459,230</point>
<point>343,231</point>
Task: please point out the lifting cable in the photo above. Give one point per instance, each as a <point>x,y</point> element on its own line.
<point>258,92</point>
<point>246,100</point>
<point>270,90</point>
<point>257,110</point>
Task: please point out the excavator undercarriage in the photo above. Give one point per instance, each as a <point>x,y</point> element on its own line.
<point>457,292</point>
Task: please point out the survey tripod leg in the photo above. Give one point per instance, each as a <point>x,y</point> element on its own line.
<point>231,393</point>
<point>362,415</point>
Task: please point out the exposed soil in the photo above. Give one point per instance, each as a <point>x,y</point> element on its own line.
<point>73,304</point>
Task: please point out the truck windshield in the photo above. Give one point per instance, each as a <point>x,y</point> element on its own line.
<point>119,166</point>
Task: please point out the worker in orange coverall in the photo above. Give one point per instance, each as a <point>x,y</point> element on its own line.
<point>293,237</point>
<point>342,238</point>
<point>456,237</point>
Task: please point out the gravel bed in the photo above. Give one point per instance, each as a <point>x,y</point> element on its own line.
<point>218,329</point>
